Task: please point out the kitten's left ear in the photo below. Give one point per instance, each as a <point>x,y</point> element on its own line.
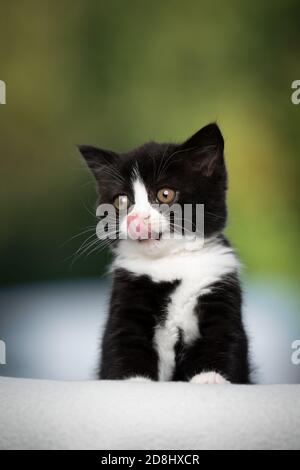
<point>206,150</point>
<point>96,158</point>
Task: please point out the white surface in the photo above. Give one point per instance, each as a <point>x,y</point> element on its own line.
<point>131,415</point>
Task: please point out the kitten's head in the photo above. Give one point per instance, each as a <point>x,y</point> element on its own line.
<point>138,183</point>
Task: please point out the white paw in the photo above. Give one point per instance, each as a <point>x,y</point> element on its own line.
<point>138,378</point>
<point>209,378</point>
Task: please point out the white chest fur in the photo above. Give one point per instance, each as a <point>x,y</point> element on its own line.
<point>197,270</point>
<point>180,317</point>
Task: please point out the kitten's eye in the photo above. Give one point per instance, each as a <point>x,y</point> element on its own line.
<point>166,195</point>
<point>121,202</point>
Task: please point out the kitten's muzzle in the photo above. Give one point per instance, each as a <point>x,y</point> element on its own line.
<point>139,227</point>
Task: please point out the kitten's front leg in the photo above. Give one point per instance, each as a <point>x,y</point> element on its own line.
<point>220,354</point>
<point>127,356</point>
<point>128,350</point>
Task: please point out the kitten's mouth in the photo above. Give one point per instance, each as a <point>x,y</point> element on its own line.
<point>152,238</point>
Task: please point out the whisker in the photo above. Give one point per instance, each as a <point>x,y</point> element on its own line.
<point>82,248</point>
<point>168,159</point>
<point>88,229</point>
<point>93,214</point>
<point>181,228</point>
<point>161,162</point>
<point>112,171</point>
<point>100,247</point>
<point>87,246</point>
<point>214,215</point>
<point>154,168</point>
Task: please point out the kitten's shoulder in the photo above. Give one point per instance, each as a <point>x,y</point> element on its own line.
<point>222,240</point>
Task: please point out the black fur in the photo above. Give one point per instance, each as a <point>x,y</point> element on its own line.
<point>138,305</point>
<point>223,345</point>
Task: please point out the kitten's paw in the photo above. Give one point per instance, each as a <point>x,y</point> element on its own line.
<point>209,378</point>
<point>138,378</point>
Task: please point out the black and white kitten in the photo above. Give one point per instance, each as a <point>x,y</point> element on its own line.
<point>175,309</point>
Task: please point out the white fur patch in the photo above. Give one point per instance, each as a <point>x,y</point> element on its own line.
<point>139,378</point>
<point>180,315</point>
<point>186,260</point>
<point>209,378</point>
<point>141,203</point>
<point>144,210</point>
<point>197,267</point>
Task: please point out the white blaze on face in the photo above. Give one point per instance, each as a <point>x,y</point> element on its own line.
<point>142,207</point>
<point>143,221</point>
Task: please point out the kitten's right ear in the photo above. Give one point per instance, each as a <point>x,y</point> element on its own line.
<point>97,158</point>
<point>206,150</point>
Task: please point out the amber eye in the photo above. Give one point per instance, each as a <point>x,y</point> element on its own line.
<point>166,195</point>
<point>121,202</point>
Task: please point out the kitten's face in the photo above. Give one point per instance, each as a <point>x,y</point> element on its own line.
<point>142,184</point>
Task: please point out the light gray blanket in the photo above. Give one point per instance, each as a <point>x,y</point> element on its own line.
<point>36,414</point>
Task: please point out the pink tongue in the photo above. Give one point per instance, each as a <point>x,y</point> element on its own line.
<point>138,230</point>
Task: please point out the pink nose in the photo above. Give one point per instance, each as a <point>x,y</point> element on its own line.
<point>137,227</point>
<point>130,218</point>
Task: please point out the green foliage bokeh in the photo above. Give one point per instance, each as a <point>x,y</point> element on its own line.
<point>121,72</point>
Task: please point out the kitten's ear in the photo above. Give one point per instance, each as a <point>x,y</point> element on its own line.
<point>206,150</point>
<point>97,158</point>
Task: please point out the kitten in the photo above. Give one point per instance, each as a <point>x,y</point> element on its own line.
<point>175,309</point>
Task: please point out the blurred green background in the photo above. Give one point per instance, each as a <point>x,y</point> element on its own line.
<point>121,72</point>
